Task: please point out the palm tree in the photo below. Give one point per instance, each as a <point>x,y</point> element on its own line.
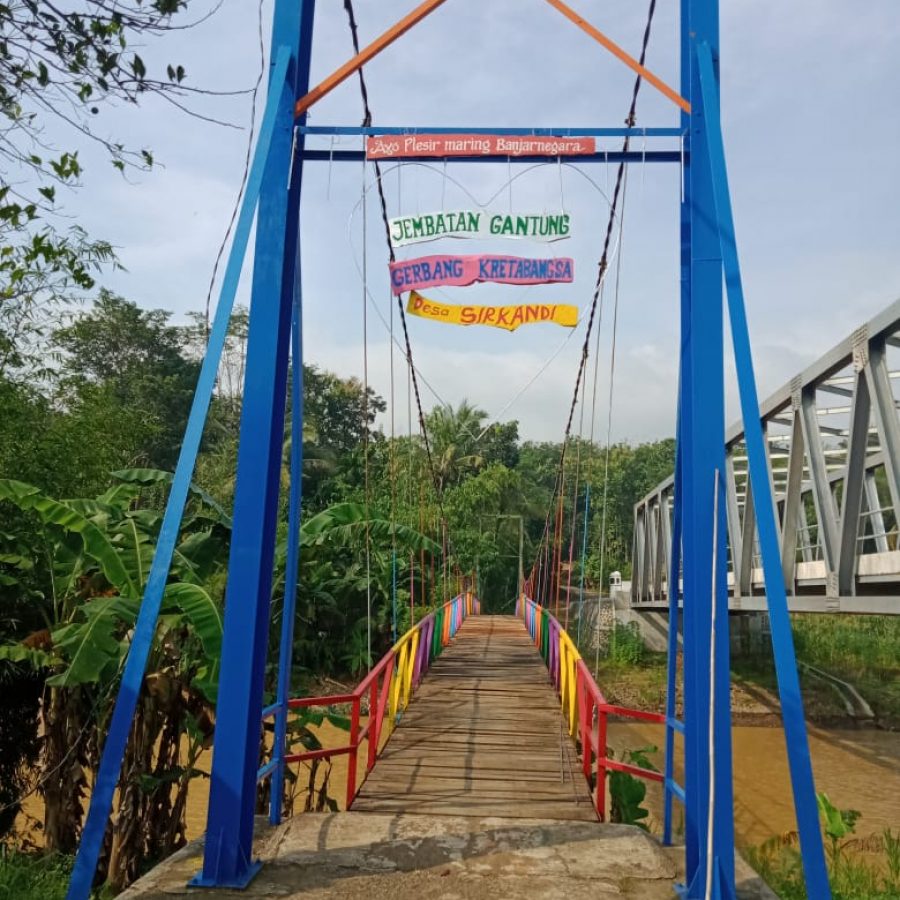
<point>454,434</point>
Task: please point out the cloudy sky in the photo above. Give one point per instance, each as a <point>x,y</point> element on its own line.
<point>812,130</point>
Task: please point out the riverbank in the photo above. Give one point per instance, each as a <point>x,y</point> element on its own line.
<point>754,695</point>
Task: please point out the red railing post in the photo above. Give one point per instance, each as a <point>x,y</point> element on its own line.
<point>585,723</point>
<point>601,763</point>
<point>372,731</point>
<point>354,747</point>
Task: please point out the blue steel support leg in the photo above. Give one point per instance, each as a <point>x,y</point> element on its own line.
<point>145,626</point>
<point>694,796</point>
<point>292,563</point>
<point>672,643</point>
<point>703,430</point>
<point>228,847</point>
<point>805,805</point>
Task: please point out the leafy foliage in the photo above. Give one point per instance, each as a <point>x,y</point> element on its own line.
<point>28,876</point>
<point>627,792</point>
<point>58,69</point>
<point>852,877</point>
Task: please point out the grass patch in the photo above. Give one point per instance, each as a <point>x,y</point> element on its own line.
<point>857,878</point>
<point>854,875</point>
<point>864,650</point>
<point>32,876</point>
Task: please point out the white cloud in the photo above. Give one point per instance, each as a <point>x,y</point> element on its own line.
<point>809,114</point>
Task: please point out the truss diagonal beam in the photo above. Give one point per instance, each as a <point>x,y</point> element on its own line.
<point>621,54</point>
<point>365,55</point>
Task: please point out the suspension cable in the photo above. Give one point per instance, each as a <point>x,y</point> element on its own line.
<point>603,265</point>
<point>367,121</point>
<point>366,493</point>
<point>609,414</point>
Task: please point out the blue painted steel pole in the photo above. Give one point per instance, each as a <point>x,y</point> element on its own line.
<point>227,859</point>
<point>292,563</point>
<point>672,642</point>
<point>145,626</point>
<point>703,428</point>
<point>692,813</point>
<point>805,804</point>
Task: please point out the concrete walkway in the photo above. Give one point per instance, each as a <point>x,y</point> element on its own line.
<point>370,856</point>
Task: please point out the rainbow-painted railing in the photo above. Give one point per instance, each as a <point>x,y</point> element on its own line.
<point>583,705</point>
<point>389,686</point>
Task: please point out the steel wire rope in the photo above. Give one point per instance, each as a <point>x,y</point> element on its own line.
<point>367,121</point>
<point>609,414</point>
<point>383,172</point>
<point>365,324</point>
<point>603,265</point>
<point>392,464</point>
<point>578,447</point>
<point>254,92</point>
<point>589,465</point>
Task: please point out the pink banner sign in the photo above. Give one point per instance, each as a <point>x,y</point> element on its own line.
<point>402,146</point>
<point>459,271</point>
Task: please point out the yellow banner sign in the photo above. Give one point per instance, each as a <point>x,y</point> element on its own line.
<point>508,317</point>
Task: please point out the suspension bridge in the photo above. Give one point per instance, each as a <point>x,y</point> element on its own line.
<point>481,722</point>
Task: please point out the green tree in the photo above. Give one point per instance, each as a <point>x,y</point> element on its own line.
<point>632,472</point>
<point>85,574</point>
<point>454,441</point>
<point>129,362</point>
<point>337,412</point>
<point>62,67</point>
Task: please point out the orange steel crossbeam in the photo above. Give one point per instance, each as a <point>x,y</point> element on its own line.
<point>364,55</point>
<point>618,52</point>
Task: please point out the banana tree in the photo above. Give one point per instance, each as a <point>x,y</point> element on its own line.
<point>86,575</point>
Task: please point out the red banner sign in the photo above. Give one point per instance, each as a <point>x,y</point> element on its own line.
<point>403,146</point>
<point>459,271</point>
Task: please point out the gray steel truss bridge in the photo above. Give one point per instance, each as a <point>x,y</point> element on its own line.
<point>833,440</point>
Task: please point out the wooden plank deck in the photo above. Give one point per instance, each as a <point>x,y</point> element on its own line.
<point>483,736</point>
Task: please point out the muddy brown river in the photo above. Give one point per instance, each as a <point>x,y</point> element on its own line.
<point>858,769</point>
